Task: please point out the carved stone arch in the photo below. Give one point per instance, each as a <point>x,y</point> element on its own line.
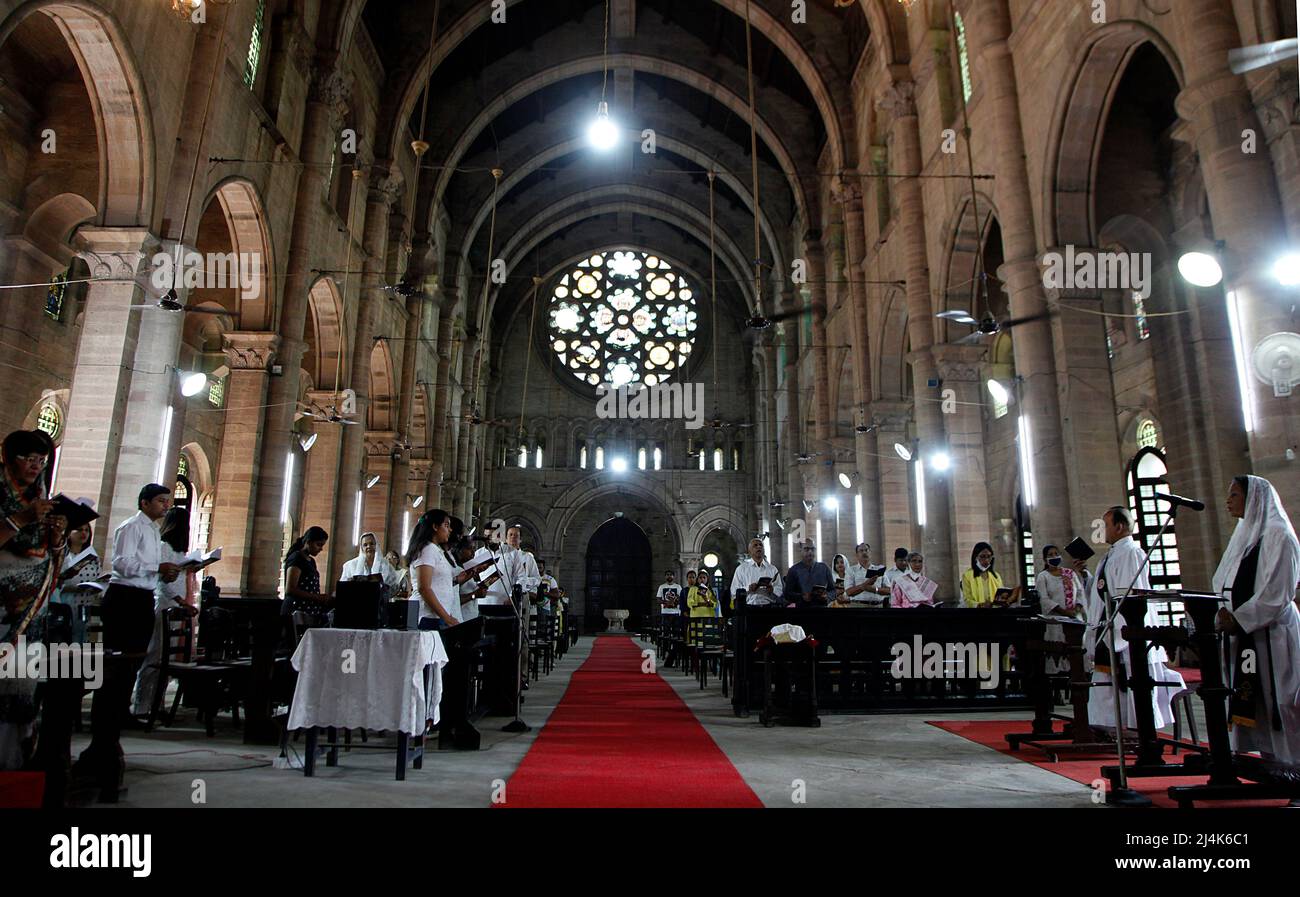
<point>329,361</point>
<point>968,230</point>
<point>530,519</point>
<point>716,517</point>
<point>119,100</point>
<point>381,388</point>
<point>1077,131</point>
<point>890,375</point>
<point>234,220</point>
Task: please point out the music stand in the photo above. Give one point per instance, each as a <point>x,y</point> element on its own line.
<point>516,600</point>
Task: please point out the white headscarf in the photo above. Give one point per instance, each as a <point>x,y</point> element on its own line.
<point>1265,524</point>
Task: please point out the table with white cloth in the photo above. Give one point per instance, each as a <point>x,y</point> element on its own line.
<point>380,679</point>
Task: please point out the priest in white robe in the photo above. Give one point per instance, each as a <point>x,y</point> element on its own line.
<point>1124,566</point>
<point>1258,574</point>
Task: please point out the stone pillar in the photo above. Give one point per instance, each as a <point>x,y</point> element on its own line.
<point>248,355</point>
<point>988,25</point>
<point>959,368</point>
<point>438,473</point>
<point>849,197</point>
<point>326,107</point>
<point>384,191</point>
<point>897,525</point>
<point>905,136</point>
<point>1247,215</point>
<point>123,381</point>
<point>321,481</point>
<point>471,368</point>
<point>379,460</point>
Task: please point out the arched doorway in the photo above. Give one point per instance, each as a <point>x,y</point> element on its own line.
<point>618,573</point>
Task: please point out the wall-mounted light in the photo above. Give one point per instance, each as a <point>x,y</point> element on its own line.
<point>1200,269</point>
<point>1287,269</point>
<point>618,465</point>
<point>848,479</point>
<point>415,500</point>
<point>192,383</point>
<point>307,442</point>
<point>1001,395</point>
<point>831,503</point>
<point>372,481</point>
<point>902,451</point>
<point>941,461</point>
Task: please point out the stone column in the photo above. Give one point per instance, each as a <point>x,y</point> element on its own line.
<point>385,189</point>
<point>988,25</point>
<point>849,196</point>
<point>471,370</point>
<point>327,104</point>
<point>123,380</point>
<point>968,489</point>
<point>379,460</point>
<point>905,136</point>
<point>248,355</point>
<point>897,529</point>
<point>1247,215</point>
<point>321,480</point>
<point>438,473</point>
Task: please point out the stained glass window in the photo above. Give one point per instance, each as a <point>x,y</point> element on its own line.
<point>620,318</point>
<point>1147,435</point>
<point>216,391</point>
<point>50,420</point>
<point>182,466</point>
<point>1140,316</point>
<point>255,46</point>
<point>963,57</point>
<point>54,295</point>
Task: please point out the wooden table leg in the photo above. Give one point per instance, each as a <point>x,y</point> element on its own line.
<point>332,757</point>
<point>403,742</point>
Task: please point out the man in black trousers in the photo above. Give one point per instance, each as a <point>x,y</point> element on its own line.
<point>127,613</point>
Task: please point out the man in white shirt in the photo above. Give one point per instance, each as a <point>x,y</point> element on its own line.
<point>896,572</point>
<point>756,567</point>
<point>668,596</point>
<point>370,563</point>
<point>127,613</point>
<point>859,585</point>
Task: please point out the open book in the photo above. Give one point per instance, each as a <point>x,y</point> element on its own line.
<point>197,559</point>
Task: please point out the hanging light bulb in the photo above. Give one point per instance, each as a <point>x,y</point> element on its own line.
<point>602,133</point>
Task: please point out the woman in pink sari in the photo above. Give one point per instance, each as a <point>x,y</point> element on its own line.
<point>913,588</point>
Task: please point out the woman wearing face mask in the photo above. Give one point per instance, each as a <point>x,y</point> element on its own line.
<point>1059,592</point>
<point>913,588</point>
<point>981,582</point>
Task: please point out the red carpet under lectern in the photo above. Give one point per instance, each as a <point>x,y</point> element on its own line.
<point>1084,769</point>
<point>622,738</point>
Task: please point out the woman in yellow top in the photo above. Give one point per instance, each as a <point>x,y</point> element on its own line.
<point>981,582</point>
<point>700,598</point>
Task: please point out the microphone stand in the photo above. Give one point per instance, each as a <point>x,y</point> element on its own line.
<point>1124,796</point>
<point>516,599</point>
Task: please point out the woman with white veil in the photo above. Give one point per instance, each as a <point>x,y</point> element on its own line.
<point>1259,573</point>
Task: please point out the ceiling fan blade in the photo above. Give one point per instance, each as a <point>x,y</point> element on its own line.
<point>1016,322</point>
<point>973,339</point>
<point>956,316</point>
<point>1247,59</point>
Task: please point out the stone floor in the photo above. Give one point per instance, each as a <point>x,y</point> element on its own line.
<point>892,760</point>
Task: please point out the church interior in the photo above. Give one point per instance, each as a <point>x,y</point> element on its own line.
<point>651,292</point>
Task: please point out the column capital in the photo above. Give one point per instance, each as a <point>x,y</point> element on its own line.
<point>250,350</point>
<point>890,415</point>
<point>898,99</point>
<point>380,443</point>
<point>115,251</point>
<point>332,88</point>
<point>846,192</point>
<point>955,362</point>
<point>387,185</point>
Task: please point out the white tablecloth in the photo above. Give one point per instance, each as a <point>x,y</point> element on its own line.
<point>379,686</point>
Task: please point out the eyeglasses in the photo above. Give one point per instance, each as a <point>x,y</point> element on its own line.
<point>40,459</point>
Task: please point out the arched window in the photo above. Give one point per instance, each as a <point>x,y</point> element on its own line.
<point>539,453</point>
<point>1025,543</point>
<point>582,456</point>
<point>717,459</point>
<point>622,318</point>
<point>55,293</point>
<point>216,391</point>
<point>523,454</point>
<point>183,466</point>
<point>1147,435</point>
<point>659,457</point>
<point>1147,478</point>
<point>49,420</point>
<point>640,458</point>
<point>600,457</point>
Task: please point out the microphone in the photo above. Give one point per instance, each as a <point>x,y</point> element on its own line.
<point>1181,501</point>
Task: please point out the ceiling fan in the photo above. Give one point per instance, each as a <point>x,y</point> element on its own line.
<point>806,457</point>
<point>719,424</point>
<point>170,301</point>
<point>1257,56</point>
<point>988,326</point>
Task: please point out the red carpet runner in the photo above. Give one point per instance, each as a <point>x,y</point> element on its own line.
<point>1084,769</point>
<point>622,738</point>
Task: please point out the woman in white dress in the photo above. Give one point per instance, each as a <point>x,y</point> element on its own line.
<point>432,575</point>
<point>1060,593</point>
<point>1259,573</point>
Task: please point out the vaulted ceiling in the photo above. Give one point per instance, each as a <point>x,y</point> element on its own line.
<point>520,95</point>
